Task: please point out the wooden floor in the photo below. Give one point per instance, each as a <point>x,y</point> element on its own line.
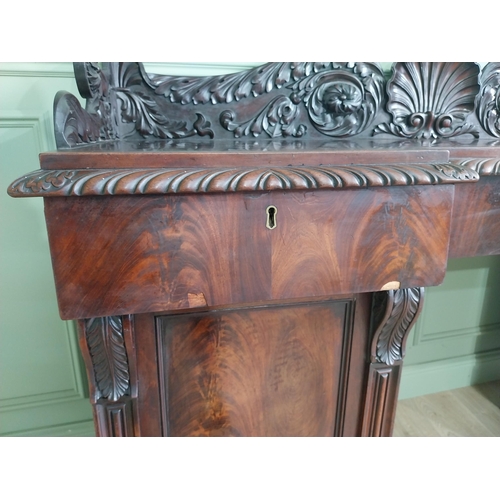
<point>470,411</point>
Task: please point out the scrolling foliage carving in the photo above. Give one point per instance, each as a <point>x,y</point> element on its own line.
<point>394,313</point>
<point>229,88</point>
<point>431,100</point>
<point>425,100</point>
<point>339,99</point>
<point>140,108</point>
<point>104,337</point>
<point>278,118</point>
<point>73,125</point>
<point>488,109</point>
<point>116,95</point>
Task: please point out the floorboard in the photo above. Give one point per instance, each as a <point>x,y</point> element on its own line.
<point>467,412</point>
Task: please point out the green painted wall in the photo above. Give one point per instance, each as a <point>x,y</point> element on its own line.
<point>456,340</point>
<point>42,382</point>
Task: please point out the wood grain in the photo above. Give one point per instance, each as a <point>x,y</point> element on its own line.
<point>275,371</point>
<point>475,228</point>
<point>231,154</point>
<point>145,254</point>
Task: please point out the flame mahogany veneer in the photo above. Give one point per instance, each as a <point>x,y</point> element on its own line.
<point>246,254</point>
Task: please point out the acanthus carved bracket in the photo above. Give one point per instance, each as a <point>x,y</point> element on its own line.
<point>109,363</point>
<point>394,313</point>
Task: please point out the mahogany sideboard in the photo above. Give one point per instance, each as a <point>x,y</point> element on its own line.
<point>246,254</point>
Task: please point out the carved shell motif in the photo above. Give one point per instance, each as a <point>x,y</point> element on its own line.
<point>488,110</point>
<point>431,100</point>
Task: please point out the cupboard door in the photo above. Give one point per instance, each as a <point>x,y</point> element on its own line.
<point>261,371</point>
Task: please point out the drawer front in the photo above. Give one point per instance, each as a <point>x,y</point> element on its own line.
<point>475,226</point>
<point>115,255</point>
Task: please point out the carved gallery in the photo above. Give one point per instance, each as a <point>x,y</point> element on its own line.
<point>246,254</point>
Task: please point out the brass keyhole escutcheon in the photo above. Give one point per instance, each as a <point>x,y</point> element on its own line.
<point>271,212</point>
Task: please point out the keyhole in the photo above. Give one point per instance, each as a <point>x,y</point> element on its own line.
<point>271,217</point>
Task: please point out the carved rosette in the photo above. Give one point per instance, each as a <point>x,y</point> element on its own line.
<point>344,100</point>
<point>395,312</point>
<point>488,108</point>
<point>431,100</point>
<point>106,346</point>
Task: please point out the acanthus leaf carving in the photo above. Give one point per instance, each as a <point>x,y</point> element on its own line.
<point>90,80</point>
<point>431,100</point>
<point>101,119</point>
<point>342,99</point>
<point>276,119</point>
<point>395,312</point>
<point>106,345</point>
<point>427,101</point>
<point>483,166</point>
<point>451,171</point>
<point>141,109</point>
<point>488,109</point>
<point>93,85</point>
<point>233,87</point>
<point>73,125</point>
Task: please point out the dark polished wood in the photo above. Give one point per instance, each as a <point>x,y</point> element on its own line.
<point>394,313</point>
<point>218,249</point>
<point>230,373</point>
<point>246,254</point>
<point>476,219</point>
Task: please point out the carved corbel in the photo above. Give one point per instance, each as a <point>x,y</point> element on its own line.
<point>107,347</point>
<point>393,315</point>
